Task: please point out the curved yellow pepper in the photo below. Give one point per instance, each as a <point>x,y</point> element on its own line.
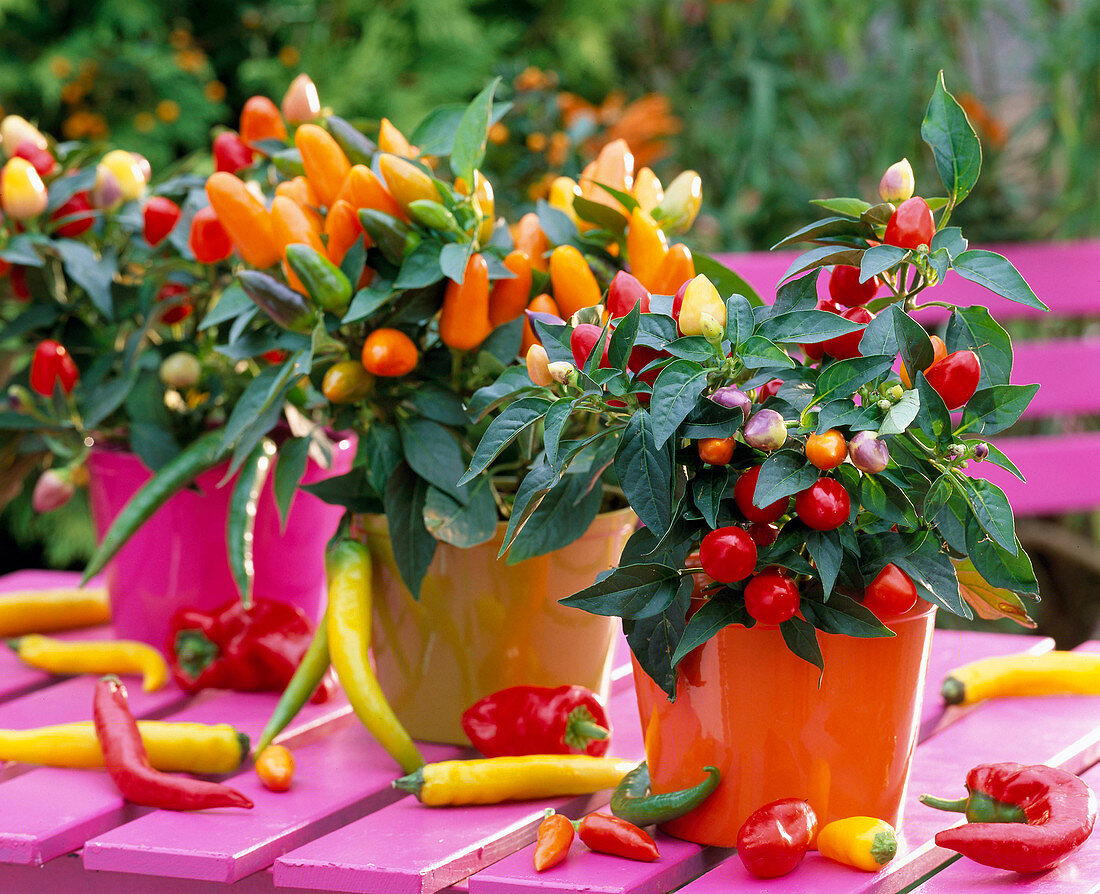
<point>405,181</point>
<point>348,567</point>
<point>63,608</point>
<point>1053,673</point>
<point>862,842</point>
<point>172,747</point>
<point>701,297</point>
<point>117,656</point>
<point>496,779</point>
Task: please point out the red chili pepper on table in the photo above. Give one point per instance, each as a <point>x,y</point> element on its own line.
<point>125,758</point>
<point>253,649</point>
<point>1024,819</point>
<point>52,365</point>
<point>608,834</point>
<point>775,838</point>
<point>555,837</point>
<point>538,720</point>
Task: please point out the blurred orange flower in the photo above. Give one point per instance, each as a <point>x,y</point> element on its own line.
<point>214,91</point>
<point>289,57</point>
<point>644,123</point>
<point>168,110</point>
<point>144,122</point>
<point>989,127</point>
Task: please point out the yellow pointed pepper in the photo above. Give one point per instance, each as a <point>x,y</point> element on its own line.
<point>406,182</point>
<point>646,247</point>
<point>701,297</point>
<point>348,567</point>
<point>172,747</point>
<point>1052,673</point>
<point>63,608</point>
<point>861,842</point>
<point>492,780</point>
<point>108,656</point>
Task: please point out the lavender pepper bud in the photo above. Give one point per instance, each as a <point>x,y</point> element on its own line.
<point>765,430</point>
<point>868,453</point>
<point>733,398</point>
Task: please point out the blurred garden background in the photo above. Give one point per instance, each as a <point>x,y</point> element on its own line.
<point>774,102</point>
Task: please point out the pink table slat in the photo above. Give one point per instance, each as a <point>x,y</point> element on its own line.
<point>338,776</point>
<point>951,648</point>
<point>1066,276</point>
<point>1079,874</point>
<point>407,848</point>
<point>1061,731</point>
<point>15,676</point>
<point>1053,488</point>
<point>1061,365</point>
<point>48,812</point>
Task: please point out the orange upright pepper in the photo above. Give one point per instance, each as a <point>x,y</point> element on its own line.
<point>613,167</point>
<point>363,190</point>
<point>543,304</point>
<point>464,323</point>
<point>244,218</point>
<point>342,229</point>
<point>292,227</point>
<point>406,182</point>
<point>305,197</point>
<point>261,120</point>
<point>508,298</point>
<point>646,247</point>
<point>391,140</point>
<point>675,270</point>
<point>939,351</point>
<point>574,282</point>
<point>325,163</point>
<point>528,237</point>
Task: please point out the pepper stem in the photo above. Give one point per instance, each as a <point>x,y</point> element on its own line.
<point>581,728</point>
<point>413,783</point>
<point>958,806</point>
<point>13,643</point>
<point>953,691</point>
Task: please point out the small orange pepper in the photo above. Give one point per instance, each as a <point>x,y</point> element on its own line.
<point>528,237</point>
<point>244,217</point>
<point>389,353</point>
<point>464,323</point>
<point>305,197</point>
<point>573,281</point>
<point>540,304</point>
<point>391,140</point>
<point>342,229</point>
<point>508,298</point>
<point>364,190</point>
<point>675,270</point>
<point>275,767</point>
<point>325,163</point>
<point>646,247</point>
<point>261,120</point>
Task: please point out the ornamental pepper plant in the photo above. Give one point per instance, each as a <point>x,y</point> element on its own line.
<point>805,464</point>
<point>383,270</point>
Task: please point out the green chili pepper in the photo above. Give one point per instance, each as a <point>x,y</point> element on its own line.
<point>288,308</point>
<point>241,522</point>
<point>324,281</point>
<point>632,801</point>
<point>386,232</point>
<point>358,148</point>
<point>181,470</point>
<point>311,671</point>
<point>432,215</point>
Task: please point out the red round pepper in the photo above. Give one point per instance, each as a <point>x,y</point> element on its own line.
<point>128,764</point>
<point>208,240</point>
<point>583,341</point>
<point>772,598</point>
<point>892,592</point>
<point>160,216</point>
<point>845,287</point>
<point>51,366</point>
<point>77,215</point>
<point>775,838</point>
<point>253,649</point>
<point>824,505</point>
<point>911,225</point>
<point>728,554</point>
<point>538,720</point>
<point>624,293</point>
<point>230,152</point>
<point>743,493</point>
<point>955,377</point>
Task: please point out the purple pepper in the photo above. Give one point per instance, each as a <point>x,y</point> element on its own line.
<point>733,398</point>
<point>765,430</point>
<point>868,453</point>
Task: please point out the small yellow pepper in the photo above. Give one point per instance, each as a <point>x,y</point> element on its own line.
<point>701,297</point>
<point>573,281</point>
<point>646,247</point>
<point>406,182</point>
<point>64,608</point>
<point>562,193</point>
<point>172,747</point>
<point>128,172</point>
<point>58,656</point>
<point>22,192</point>
<point>862,842</point>
<point>679,207</point>
<point>495,779</point>
<point>391,140</point>
<point>647,190</point>
<point>1052,673</point>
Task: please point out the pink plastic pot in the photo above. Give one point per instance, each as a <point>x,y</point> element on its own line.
<point>178,558</point>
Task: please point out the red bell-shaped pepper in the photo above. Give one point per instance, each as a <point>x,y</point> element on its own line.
<point>538,720</point>
<point>52,365</point>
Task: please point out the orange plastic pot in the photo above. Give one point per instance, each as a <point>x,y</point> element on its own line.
<point>481,625</point>
<point>748,706</point>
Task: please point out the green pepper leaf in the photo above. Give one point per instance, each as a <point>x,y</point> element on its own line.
<point>644,469</point>
<point>827,553</point>
<point>461,525</point>
<point>757,352</point>
<point>782,474</point>
<point>899,417</point>
<point>421,268</point>
<point>992,410</point>
<point>824,256</point>
<point>740,321</point>
<point>954,144</point>
<point>570,507</point>
<point>846,206</point>
<point>846,376</point>
<point>974,329</point>
<point>412,543</point>
<point>996,273</point>
<point>433,453</point>
<point>472,133</point>
<point>879,258</point>
<point>843,615</point>
<point>801,638</point>
<point>714,615</point>
<point>828,227</point>
<point>675,393</point>
<point>289,469</point>
<point>936,420</point>
<point>629,591</point>
<point>654,640</point>
<point>991,510</point>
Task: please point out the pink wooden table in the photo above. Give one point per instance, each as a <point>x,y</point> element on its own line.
<point>342,828</point>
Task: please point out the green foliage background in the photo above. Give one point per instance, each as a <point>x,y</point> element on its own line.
<point>782,99</point>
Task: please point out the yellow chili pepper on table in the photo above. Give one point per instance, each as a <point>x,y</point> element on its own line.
<point>348,567</point>
<point>118,656</point>
<point>861,842</point>
<point>495,779</point>
<point>64,608</point>
<point>1052,673</point>
<point>172,747</point>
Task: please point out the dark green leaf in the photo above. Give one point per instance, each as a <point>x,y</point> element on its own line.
<point>504,342</point>
<point>675,392</point>
<point>759,353</point>
<point>472,133</point>
<point>368,301</point>
<point>1000,568</point>
<point>568,508</point>
<point>529,494</point>
<point>998,458</point>
<point>798,294</point>
<point>826,228</point>
<point>155,445</point>
<point>996,273</point>
<point>505,428</point>
<point>622,342</point>
<point>827,553</point>
<point>557,226</point>
<point>439,404</point>
<point>972,328</point>
<point>879,258</point>
<point>553,425</point>
<point>783,473</point>
<point>435,135</point>
<point>93,274</point>
<point>992,511</point>
<point>824,256</point>
<point>629,591</point>
<point>600,214</point>
<point>806,327</point>
<point>843,615</point>
<point>413,546</point>
<point>379,454</point>
<point>21,248</point>
<point>434,454</point>
<point>954,144</point>
<point>654,640</point>
<point>421,268</point>
<point>740,321</point>
<point>513,381</point>
<point>256,400</point>
<point>707,491</point>
<point>461,525</point>
<point>715,614</point>
<point>950,240</point>
<point>849,207</point>
<point>233,302</point>
<point>289,469</point>
<point>644,470</point>
<point>844,377</point>
<point>935,419</point>
<point>453,259</point>
<point>801,638</point>
<point>992,410</point>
